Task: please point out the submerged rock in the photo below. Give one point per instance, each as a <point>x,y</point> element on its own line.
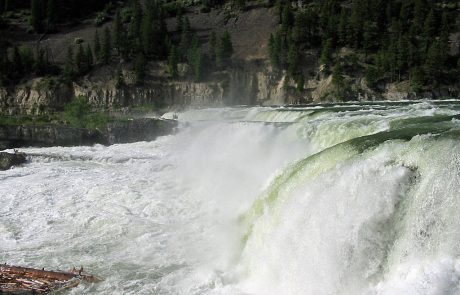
<point>8,160</point>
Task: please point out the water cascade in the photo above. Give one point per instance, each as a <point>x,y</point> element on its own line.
<point>327,199</point>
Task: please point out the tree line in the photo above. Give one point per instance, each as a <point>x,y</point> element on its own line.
<point>395,39</point>
<point>138,34</point>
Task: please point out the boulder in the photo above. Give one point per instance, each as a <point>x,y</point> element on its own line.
<point>8,160</point>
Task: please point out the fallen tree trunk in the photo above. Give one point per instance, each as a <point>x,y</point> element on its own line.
<point>23,280</point>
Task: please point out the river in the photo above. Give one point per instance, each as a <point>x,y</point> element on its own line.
<point>327,199</point>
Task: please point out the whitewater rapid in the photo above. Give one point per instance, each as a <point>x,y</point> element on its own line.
<point>329,199</point>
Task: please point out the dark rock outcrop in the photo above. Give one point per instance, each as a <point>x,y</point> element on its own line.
<point>138,130</point>
<point>8,160</point>
<point>13,136</point>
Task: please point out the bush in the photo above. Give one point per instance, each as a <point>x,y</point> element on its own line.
<point>78,114</point>
<point>101,18</point>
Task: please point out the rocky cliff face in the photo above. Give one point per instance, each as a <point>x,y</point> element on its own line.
<point>247,83</point>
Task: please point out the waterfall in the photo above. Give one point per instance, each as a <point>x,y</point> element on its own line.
<point>325,199</point>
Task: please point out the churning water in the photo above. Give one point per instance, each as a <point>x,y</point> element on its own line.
<point>346,199</point>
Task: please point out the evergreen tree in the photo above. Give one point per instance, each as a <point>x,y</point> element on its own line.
<point>69,66</point>
<point>213,46</point>
<point>4,61</point>
<point>179,21</point>
<point>197,61</point>
<point>118,32</point>
<point>41,63</point>
<point>417,79</point>
<point>357,22</point>
<point>185,39</point>
<point>434,62</point>
<point>147,34</point>
<point>136,20</point>
<point>140,68</point>
<point>337,76</point>
<point>300,82</point>
<point>293,59</point>
<point>326,55</point>
<point>173,60</point>
<point>27,58</point>
<point>279,6</point>
<point>240,4</point>
<point>80,60</point>
<point>119,81</point>
<point>429,28</point>
<point>89,57</point>
<point>287,17</point>
<point>18,69</point>
<point>9,5</point>
<point>97,46</point>
<point>419,16</point>
<point>52,13</point>
<point>107,46</point>
<point>342,29</point>
<point>273,52</point>
<point>224,50</point>
<point>372,76</point>
<point>36,15</point>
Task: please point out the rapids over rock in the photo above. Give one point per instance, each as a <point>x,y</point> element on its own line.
<point>326,199</point>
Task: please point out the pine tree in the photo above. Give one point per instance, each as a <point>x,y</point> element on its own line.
<point>240,4</point>
<point>119,81</point>
<point>80,60</point>
<point>41,64</point>
<point>300,82</point>
<point>429,27</point>
<point>27,58</point>
<point>97,46</point>
<point>287,17</point>
<point>293,59</point>
<point>185,39</point>
<point>419,16</point>
<point>89,57</point>
<point>36,15</point>
<point>224,50</point>
<point>136,20</point>
<point>118,32</point>
<point>342,29</point>
<point>273,52</point>
<point>326,55</point>
<point>417,79</point>
<point>179,21</point>
<point>69,66</point>
<point>107,46</point>
<point>140,68</point>
<point>434,62</point>
<point>52,13</point>
<point>147,34</point>
<point>357,23</point>
<point>18,69</point>
<point>173,59</point>
<point>337,76</point>
<point>213,46</point>
<point>197,62</point>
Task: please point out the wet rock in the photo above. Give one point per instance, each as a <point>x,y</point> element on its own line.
<point>8,160</point>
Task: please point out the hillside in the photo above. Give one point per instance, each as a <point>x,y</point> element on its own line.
<point>127,54</point>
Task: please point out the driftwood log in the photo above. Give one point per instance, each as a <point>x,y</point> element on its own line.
<point>23,280</point>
